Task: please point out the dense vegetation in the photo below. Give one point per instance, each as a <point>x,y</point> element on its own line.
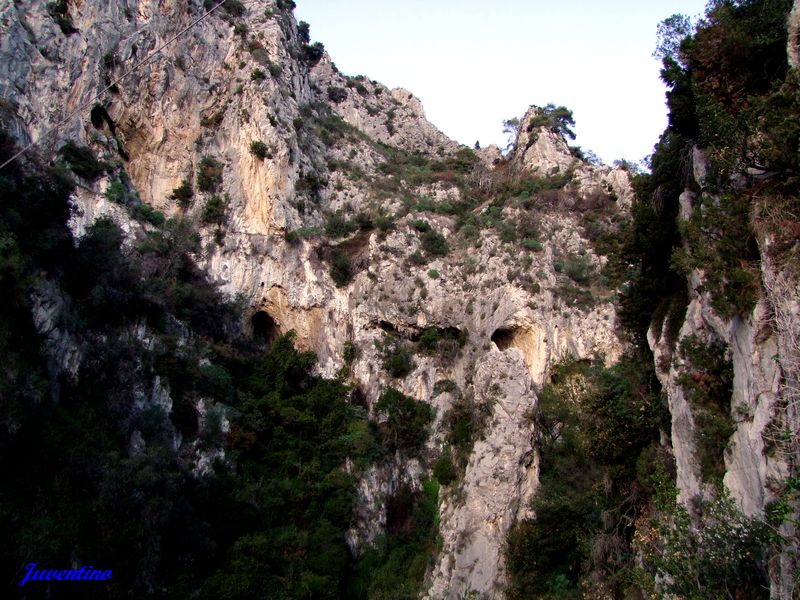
<point>598,447</point>
<point>606,499</point>
<point>233,485</point>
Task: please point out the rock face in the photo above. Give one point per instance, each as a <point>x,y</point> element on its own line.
<point>331,145</point>
<point>793,49</point>
<point>764,353</point>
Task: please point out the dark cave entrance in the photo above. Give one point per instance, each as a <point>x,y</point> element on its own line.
<point>101,118</point>
<point>265,329</point>
<point>503,339</point>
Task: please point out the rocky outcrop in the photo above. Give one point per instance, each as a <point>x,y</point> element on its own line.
<point>394,117</point>
<point>793,49</point>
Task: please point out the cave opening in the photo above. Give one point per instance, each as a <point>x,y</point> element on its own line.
<point>265,329</point>
<point>503,339</point>
<point>100,117</point>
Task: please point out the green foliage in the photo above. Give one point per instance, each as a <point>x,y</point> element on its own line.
<point>233,8</point>
<point>349,353</point>
<point>337,94</point>
<point>443,469</point>
<point>557,119</point>
<point>337,225</point>
<point>396,565</point>
<point>313,53</point>
<point>671,33</point>
<point>214,210</point>
<point>258,75</point>
<point>259,149</point>
<point>302,233</point>
<point>183,194</point>
<point>304,32</point>
<point>396,357</point>
<point>433,273</point>
<point>117,193</point>
<point>465,422</point>
<point>215,119</point>
<point>707,379</point>
<point>434,243</point>
<point>421,225</point>
<point>145,212</point>
<point>594,423</point>
<point>531,244</point>
<point>720,557</point>
<point>429,341</point>
<point>577,267</point>
<point>209,174</point>
<point>442,342</point>
<point>340,268</point>
<point>406,427</point>
<point>720,241</point>
<point>82,160</point>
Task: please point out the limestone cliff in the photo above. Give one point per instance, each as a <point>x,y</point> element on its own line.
<point>352,220</point>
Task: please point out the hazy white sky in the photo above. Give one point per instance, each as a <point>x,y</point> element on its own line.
<point>474,63</point>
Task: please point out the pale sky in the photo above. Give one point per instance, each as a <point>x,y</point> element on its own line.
<point>474,63</point>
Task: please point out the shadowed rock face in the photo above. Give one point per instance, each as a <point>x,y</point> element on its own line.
<point>265,329</point>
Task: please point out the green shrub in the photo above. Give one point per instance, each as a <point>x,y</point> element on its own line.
<point>433,273</point>
<point>183,194</point>
<point>531,244</point>
<point>396,358</point>
<point>214,120</point>
<point>707,380</point>
<point>421,225</point>
<point>429,341</point>
<point>406,428</point>
<point>117,193</point>
<point>82,160</point>
<point>337,94</point>
<point>209,174</point>
<point>720,556</point>
<point>340,268</point>
<point>233,8</point>
<point>149,214</point>
<point>302,233</point>
<point>259,149</point>
<point>313,53</point>
<point>434,243</point>
<point>443,469</point>
<point>214,211</point>
<point>576,267</point>
<point>337,225</point>
<point>350,353</point>
<point>258,75</point>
